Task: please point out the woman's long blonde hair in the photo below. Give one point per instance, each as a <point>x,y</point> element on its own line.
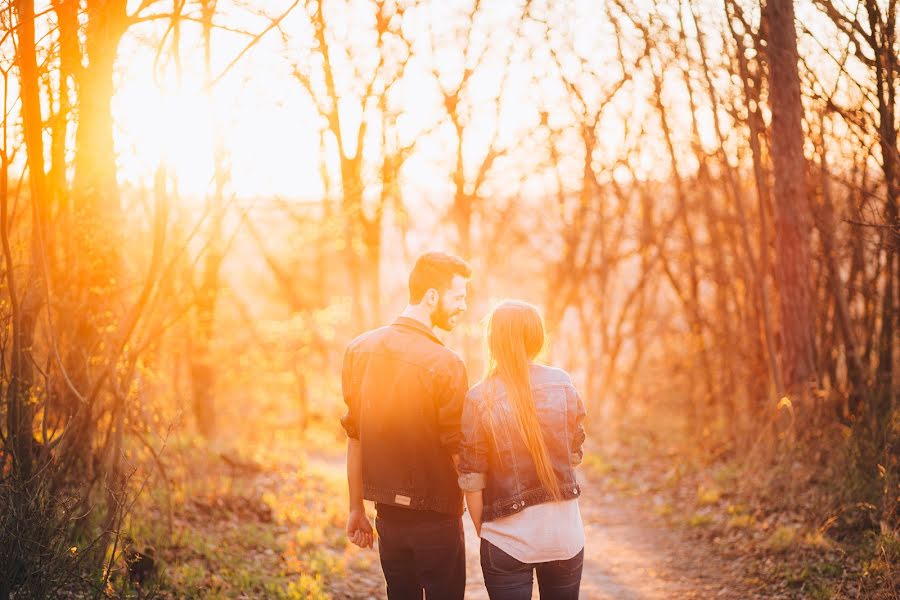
<point>515,336</point>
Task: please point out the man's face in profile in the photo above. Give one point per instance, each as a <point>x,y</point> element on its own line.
<point>450,304</point>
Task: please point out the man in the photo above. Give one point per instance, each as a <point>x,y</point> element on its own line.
<point>404,392</point>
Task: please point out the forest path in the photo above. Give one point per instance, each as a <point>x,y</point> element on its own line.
<point>630,553</point>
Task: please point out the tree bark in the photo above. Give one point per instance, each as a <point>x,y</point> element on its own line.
<point>792,230</point>
<point>203,373</point>
<point>26,304</point>
<point>93,258</point>
<point>883,40</point>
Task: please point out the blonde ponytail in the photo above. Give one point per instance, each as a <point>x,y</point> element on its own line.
<point>515,337</point>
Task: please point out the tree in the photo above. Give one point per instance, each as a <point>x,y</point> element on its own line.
<point>207,289</point>
<point>793,222</point>
<point>359,154</point>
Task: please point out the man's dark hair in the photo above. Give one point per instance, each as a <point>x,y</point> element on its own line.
<point>435,270</point>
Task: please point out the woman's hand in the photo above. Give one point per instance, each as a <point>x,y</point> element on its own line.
<point>475,502</point>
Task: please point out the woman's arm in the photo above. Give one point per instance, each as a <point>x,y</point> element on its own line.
<point>473,460</point>
<point>577,414</point>
<point>474,501</point>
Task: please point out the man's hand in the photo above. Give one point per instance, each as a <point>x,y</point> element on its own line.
<point>359,529</point>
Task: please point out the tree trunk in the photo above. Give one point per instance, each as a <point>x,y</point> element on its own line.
<point>93,259</point>
<point>462,202</point>
<point>883,40</point>
<point>791,201</point>
<point>203,373</point>
<point>751,84</point>
<point>855,371</point>
<point>351,182</point>
<point>25,305</point>
<point>96,189</point>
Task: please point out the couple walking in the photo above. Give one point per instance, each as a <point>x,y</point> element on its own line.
<point>420,440</point>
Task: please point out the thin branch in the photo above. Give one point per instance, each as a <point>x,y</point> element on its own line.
<point>256,39</point>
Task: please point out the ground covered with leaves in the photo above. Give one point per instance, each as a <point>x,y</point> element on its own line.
<point>246,526</point>
<point>782,531</point>
<point>269,524</point>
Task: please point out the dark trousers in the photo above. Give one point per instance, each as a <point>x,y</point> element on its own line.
<point>425,556</point>
<point>507,578</point>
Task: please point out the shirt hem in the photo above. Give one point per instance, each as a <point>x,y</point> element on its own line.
<point>486,535</point>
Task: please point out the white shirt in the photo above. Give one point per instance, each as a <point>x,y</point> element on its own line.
<point>539,533</point>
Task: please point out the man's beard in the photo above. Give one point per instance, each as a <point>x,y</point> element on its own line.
<point>443,318</point>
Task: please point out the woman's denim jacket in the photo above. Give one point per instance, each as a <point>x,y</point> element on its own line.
<point>496,459</point>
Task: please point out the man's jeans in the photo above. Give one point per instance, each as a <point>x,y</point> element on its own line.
<point>509,579</point>
<point>417,556</point>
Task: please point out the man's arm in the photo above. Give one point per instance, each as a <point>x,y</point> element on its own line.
<point>474,501</point>
<point>450,406</point>
<point>359,529</point>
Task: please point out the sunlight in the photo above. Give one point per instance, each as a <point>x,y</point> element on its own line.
<point>165,123</point>
<point>268,150</point>
<point>268,123</point>
<point>266,126</point>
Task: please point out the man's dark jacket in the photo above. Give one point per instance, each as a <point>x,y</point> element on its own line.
<point>404,392</point>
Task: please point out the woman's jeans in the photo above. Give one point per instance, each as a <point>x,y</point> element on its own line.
<point>509,579</point>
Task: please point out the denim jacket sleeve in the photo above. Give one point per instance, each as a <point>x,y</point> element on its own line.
<point>473,457</point>
<point>350,420</point>
<point>577,413</point>
<point>450,406</point>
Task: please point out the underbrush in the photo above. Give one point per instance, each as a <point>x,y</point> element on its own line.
<point>58,539</point>
<point>816,520</point>
<point>263,526</point>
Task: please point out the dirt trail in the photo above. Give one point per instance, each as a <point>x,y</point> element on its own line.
<point>629,554</point>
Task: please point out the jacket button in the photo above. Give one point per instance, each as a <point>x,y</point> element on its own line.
<point>515,507</point>
<point>574,490</point>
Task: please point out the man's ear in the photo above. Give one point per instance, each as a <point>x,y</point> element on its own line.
<point>432,296</point>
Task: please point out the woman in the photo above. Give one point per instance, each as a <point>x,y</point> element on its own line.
<point>522,436</point>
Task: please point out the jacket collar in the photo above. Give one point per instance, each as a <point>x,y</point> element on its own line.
<point>418,326</point>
